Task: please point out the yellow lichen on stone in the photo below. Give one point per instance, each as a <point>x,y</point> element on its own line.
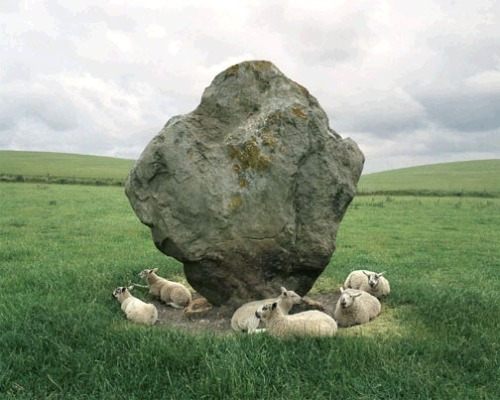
<point>268,139</point>
<point>303,89</point>
<point>262,64</point>
<point>274,118</point>
<point>299,113</point>
<point>233,151</point>
<point>252,150</point>
<point>249,156</point>
<point>243,182</point>
<point>233,70</point>
<point>236,201</point>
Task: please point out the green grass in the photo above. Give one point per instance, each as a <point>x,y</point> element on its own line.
<point>26,166</point>
<point>64,248</point>
<point>467,178</point>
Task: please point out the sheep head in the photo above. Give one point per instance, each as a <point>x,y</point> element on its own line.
<point>373,278</point>
<point>347,298</point>
<point>146,272</point>
<point>120,291</point>
<point>264,312</point>
<point>290,295</point>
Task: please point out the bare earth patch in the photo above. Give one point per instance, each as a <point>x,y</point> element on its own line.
<point>205,318</point>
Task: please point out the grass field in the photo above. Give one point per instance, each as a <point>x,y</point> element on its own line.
<point>64,248</point>
<point>466,178</point>
<point>62,168</point>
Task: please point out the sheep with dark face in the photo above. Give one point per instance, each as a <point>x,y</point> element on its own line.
<point>173,294</point>
<point>307,323</point>
<point>355,307</point>
<point>368,281</point>
<point>136,310</point>
<point>244,319</point>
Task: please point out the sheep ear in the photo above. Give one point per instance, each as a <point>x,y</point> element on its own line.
<point>283,290</point>
<point>153,270</point>
<point>367,274</point>
<point>379,275</point>
<point>275,304</point>
<point>130,287</point>
<point>357,295</point>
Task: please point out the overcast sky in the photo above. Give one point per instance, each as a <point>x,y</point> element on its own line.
<point>412,82</point>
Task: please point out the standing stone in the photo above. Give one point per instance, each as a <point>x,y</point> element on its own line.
<point>248,190</point>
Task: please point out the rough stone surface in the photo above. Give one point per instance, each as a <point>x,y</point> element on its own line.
<point>248,190</point>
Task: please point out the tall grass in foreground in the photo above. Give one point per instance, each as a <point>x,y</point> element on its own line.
<point>63,249</point>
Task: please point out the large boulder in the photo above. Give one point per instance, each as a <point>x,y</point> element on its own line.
<point>248,190</point>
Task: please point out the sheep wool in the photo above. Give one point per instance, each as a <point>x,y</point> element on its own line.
<point>245,320</point>
<point>355,307</point>
<point>173,294</point>
<point>368,281</point>
<point>136,310</point>
<point>308,323</point>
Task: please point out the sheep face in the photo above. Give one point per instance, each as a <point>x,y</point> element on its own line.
<point>264,312</point>
<point>347,300</point>
<point>145,273</point>
<point>118,291</point>
<point>373,278</point>
<point>291,296</point>
<point>122,291</point>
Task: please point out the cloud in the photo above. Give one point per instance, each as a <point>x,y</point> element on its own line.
<point>463,110</point>
<point>409,81</point>
<point>20,103</point>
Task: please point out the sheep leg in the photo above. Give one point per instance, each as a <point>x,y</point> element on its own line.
<point>140,286</point>
<point>173,305</point>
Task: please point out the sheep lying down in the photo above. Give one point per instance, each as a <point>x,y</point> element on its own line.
<point>244,319</point>
<point>355,307</point>
<point>173,294</point>
<point>136,310</point>
<point>307,323</point>
<point>370,282</point>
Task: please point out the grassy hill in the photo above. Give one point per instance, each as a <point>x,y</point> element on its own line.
<point>473,178</point>
<point>62,168</point>
<point>468,178</point>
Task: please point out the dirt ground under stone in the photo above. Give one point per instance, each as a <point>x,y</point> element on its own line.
<point>212,319</point>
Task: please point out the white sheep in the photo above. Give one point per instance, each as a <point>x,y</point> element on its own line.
<point>370,282</point>
<point>307,323</point>
<point>245,320</point>
<point>136,310</point>
<point>174,294</point>
<point>355,307</point>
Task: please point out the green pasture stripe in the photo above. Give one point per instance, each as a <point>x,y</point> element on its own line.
<point>51,167</point>
<point>468,178</point>
<point>477,178</point>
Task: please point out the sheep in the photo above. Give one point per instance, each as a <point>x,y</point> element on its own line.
<point>355,307</point>
<point>244,319</point>
<point>136,310</point>
<point>370,282</point>
<point>307,323</point>
<point>174,294</point>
